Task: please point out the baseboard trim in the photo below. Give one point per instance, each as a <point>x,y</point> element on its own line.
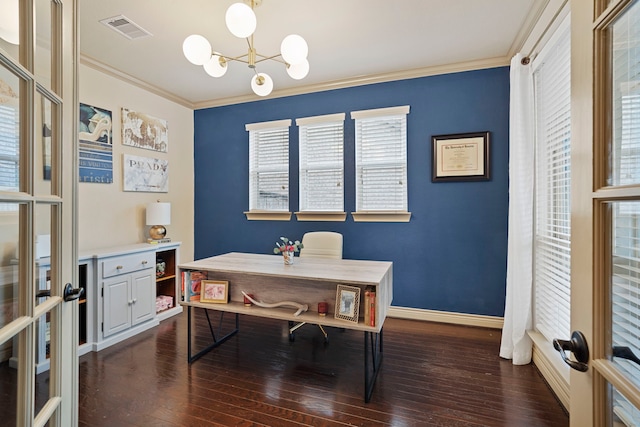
<point>446,317</point>
<point>551,367</point>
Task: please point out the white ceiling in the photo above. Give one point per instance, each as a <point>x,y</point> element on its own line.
<point>349,41</point>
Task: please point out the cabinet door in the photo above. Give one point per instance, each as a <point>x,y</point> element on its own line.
<point>116,305</point>
<point>143,306</point>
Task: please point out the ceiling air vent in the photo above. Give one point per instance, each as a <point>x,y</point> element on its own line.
<point>126,27</point>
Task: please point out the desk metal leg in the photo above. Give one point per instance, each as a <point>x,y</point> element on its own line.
<point>216,342</point>
<point>371,372</point>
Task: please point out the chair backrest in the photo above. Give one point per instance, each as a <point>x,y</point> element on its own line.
<point>321,244</point>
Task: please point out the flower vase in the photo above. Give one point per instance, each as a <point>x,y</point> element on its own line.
<point>288,257</point>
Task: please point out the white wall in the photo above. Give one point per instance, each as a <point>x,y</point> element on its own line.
<point>108,215</point>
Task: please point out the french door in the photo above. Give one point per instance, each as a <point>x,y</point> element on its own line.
<point>605,273</point>
<point>38,187</point>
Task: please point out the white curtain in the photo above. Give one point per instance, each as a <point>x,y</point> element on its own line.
<point>516,344</point>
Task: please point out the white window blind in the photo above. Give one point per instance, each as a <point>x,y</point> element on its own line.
<point>381,159</point>
<point>322,163</point>
<point>269,165</point>
<point>625,280</point>
<point>553,187</point>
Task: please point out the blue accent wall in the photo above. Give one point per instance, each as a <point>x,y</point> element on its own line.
<point>451,256</point>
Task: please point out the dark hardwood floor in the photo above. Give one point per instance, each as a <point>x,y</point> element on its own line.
<point>432,375</point>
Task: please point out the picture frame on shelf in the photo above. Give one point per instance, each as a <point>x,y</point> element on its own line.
<point>460,157</point>
<point>214,291</point>
<point>347,303</point>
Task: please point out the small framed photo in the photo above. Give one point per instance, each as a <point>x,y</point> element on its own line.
<point>460,157</point>
<point>214,291</point>
<point>347,303</point>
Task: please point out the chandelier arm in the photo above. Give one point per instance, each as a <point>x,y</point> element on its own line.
<point>276,58</point>
<point>237,58</point>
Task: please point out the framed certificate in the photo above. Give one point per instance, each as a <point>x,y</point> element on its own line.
<point>460,157</point>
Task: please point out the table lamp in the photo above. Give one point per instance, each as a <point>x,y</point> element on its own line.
<point>158,215</point>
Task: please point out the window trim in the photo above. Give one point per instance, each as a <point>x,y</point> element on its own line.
<point>260,214</point>
<point>382,215</point>
<point>313,215</point>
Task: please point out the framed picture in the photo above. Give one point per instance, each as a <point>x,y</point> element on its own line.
<point>460,157</point>
<point>347,303</point>
<point>214,291</point>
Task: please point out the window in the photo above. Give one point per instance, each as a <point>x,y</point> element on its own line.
<point>268,166</point>
<point>381,163</point>
<point>8,148</point>
<point>552,236</point>
<point>322,163</point>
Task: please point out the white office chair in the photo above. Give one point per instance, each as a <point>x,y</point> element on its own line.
<point>318,244</point>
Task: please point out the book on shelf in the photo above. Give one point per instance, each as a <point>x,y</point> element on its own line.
<point>370,306</point>
<point>191,280</point>
<point>156,241</point>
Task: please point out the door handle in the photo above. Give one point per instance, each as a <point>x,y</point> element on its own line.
<point>71,294</point>
<point>625,353</point>
<point>578,346</point>
<point>45,293</point>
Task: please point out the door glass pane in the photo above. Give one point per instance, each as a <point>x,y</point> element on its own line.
<point>624,413</point>
<point>9,229</point>
<point>625,287</point>
<point>9,27</point>
<point>43,42</point>
<point>625,157</point>
<point>9,130</point>
<point>43,146</point>
<point>9,294</point>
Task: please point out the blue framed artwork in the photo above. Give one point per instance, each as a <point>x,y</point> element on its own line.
<point>96,145</point>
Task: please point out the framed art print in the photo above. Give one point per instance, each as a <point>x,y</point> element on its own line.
<point>460,157</point>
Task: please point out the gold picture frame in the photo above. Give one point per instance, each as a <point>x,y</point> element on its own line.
<point>214,291</point>
<point>347,303</point>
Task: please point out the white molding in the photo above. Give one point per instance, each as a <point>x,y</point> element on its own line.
<point>336,84</point>
<point>321,216</point>
<point>267,216</point>
<point>446,317</point>
<point>555,372</point>
<point>110,71</point>
<point>364,80</point>
<point>382,216</point>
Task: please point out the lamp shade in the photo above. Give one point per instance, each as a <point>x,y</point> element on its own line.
<point>294,49</point>
<point>241,20</point>
<point>262,84</point>
<point>159,213</point>
<point>298,71</point>
<point>196,49</point>
<point>216,66</point>
<point>9,19</point>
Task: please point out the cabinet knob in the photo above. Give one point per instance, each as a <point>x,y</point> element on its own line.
<point>134,300</point>
<point>145,262</point>
<point>119,267</point>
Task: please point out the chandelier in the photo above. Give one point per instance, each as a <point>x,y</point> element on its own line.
<point>241,22</point>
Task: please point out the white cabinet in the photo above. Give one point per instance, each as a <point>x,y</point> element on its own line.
<point>127,305</point>
<point>128,300</point>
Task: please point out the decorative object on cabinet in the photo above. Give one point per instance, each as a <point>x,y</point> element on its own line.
<point>347,303</point>
<point>158,215</point>
<point>460,157</point>
<point>301,307</point>
<point>144,131</point>
<point>214,291</point>
<point>145,174</point>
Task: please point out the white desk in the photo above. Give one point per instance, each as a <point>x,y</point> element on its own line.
<point>307,281</point>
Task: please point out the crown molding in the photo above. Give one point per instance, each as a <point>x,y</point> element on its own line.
<point>321,87</point>
<point>106,69</point>
<point>363,80</point>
